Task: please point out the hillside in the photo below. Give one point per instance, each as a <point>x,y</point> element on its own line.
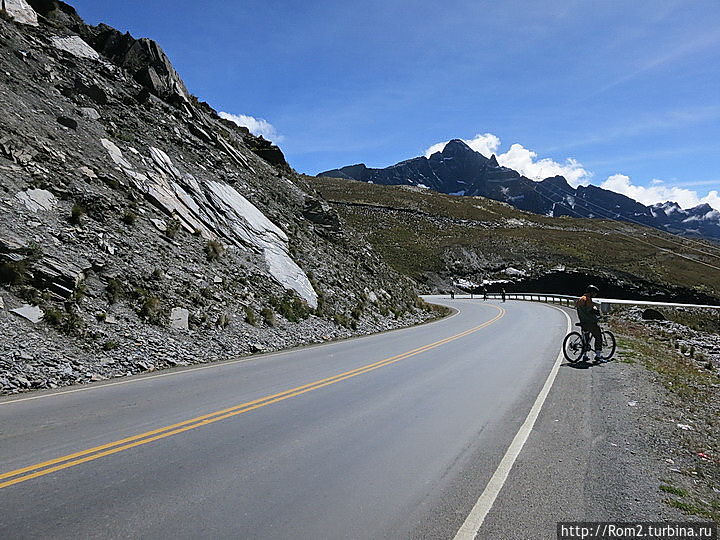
<point>460,170</point>
<point>138,230</point>
<point>438,239</point>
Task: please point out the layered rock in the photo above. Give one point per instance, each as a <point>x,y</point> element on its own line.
<point>139,230</point>
<point>20,11</point>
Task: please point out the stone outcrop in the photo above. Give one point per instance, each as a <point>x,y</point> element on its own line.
<point>20,11</point>
<point>145,232</point>
<point>144,59</point>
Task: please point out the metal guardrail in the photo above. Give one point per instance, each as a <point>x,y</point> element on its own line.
<point>565,300</point>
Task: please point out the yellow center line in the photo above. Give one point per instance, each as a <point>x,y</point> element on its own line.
<point>40,469</point>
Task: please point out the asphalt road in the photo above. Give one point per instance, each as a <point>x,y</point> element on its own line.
<point>388,436</point>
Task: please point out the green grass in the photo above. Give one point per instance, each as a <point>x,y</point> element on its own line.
<point>680,492</point>
<point>419,231</point>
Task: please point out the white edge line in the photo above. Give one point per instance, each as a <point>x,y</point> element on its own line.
<point>139,377</point>
<point>475,519</point>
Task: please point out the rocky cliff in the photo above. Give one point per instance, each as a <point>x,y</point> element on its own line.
<point>139,230</point>
<point>459,170</point>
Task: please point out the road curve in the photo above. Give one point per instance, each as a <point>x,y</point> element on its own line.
<point>388,436</point>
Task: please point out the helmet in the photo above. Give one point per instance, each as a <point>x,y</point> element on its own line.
<point>593,289</point>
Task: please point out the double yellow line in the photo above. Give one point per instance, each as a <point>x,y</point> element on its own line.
<point>47,467</point>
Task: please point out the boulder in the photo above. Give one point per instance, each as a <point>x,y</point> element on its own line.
<point>179,318</point>
<point>67,122</point>
<point>20,11</point>
<point>76,46</point>
<point>60,277</point>
<point>91,90</point>
<point>321,213</point>
<point>37,200</point>
<point>89,113</point>
<point>651,314</point>
<point>32,313</point>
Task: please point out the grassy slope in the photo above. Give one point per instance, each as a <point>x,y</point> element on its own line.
<point>689,387</point>
<point>418,231</point>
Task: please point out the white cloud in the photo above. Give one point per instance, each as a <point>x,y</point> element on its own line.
<point>257,126</point>
<point>485,143</point>
<point>658,192</point>
<point>526,163</point>
<point>523,160</point>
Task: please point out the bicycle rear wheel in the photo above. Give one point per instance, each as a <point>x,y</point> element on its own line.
<point>609,344</point>
<point>573,347</point>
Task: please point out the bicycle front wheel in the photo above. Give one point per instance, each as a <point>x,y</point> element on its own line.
<point>609,344</point>
<point>573,347</point>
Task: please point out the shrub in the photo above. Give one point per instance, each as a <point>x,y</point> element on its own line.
<point>53,317</point>
<point>214,250</point>
<point>268,316</point>
<point>79,293</point>
<point>223,320</point>
<point>13,272</point>
<point>357,311</point>
<point>76,214</point>
<point>293,308</point>
<point>129,218</point>
<point>151,308</point>
<point>250,317</point>
<point>110,345</point>
<point>114,290</point>
<point>172,228</point>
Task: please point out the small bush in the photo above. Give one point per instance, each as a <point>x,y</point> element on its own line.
<point>293,308</point>
<point>172,228</point>
<point>54,317</point>
<point>76,214</point>
<point>115,290</point>
<point>250,317</point>
<point>110,345</point>
<point>13,273</point>
<point>214,250</point>
<point>151,308</point>
<point>223,320</point>
<point>129,218</point>
<point>268,316</point>
<point>357,311</point>
<point>80,291</point>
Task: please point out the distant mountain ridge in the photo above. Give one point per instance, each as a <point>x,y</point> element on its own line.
<point>460,170</point>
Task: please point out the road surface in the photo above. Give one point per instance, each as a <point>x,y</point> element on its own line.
<point>388,436</point>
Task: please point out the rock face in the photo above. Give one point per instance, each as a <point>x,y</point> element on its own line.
<point>144,59</point>
<point>459,170</point>
<point>130,208</point>
<point>20,11</point>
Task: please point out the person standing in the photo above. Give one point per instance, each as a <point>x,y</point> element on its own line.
<point>589,315</point>
<point>503,294</point>
<point>484,293</point>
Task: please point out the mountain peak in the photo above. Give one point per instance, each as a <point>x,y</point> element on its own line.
<point>456,147</point>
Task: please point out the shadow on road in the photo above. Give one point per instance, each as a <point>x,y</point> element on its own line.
<point>584,365</point>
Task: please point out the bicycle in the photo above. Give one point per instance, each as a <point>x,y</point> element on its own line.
<point>577,344</point>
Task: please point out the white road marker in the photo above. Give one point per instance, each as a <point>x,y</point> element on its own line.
<point>472,524</point>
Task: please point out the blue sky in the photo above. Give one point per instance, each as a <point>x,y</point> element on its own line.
<point>628,91</point>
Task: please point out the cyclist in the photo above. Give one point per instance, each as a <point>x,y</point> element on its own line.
<point>589,314</point>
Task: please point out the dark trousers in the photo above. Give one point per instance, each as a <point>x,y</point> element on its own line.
<point>595,332</point>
